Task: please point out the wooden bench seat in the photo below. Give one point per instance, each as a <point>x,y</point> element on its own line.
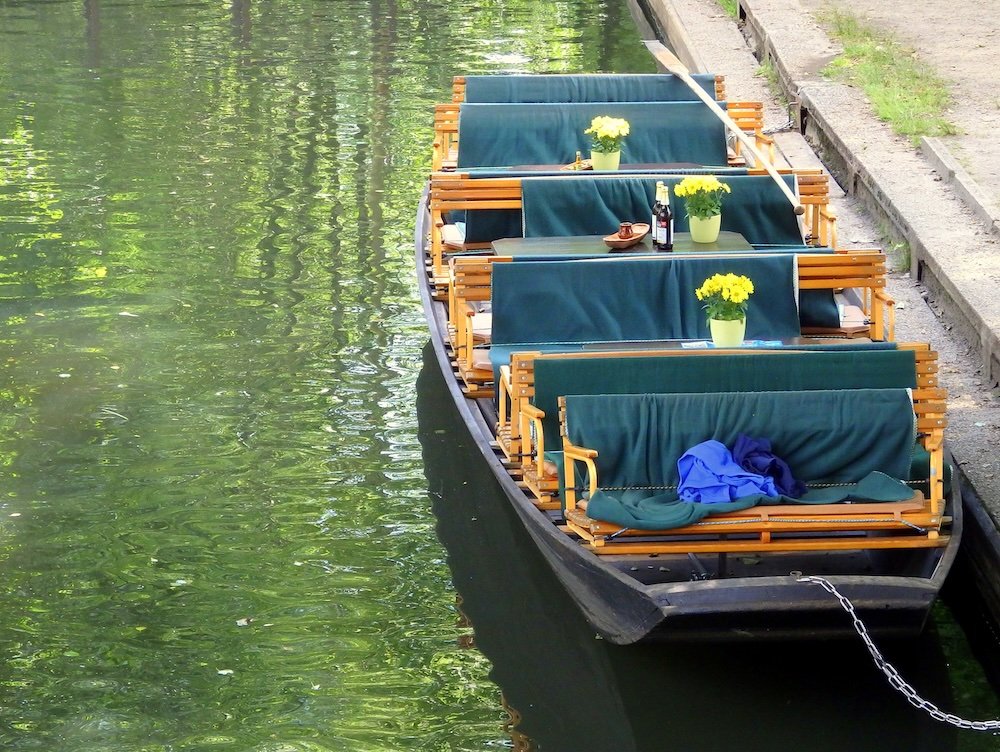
<point>459,192</point>
<point>528,427</point>
<point>914,522</point>
<point>470,286</point>
<point>748,116</point>
<point>550,87</point>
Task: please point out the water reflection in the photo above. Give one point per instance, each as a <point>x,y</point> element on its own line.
<point>214,529</point>
<point>578,692</point>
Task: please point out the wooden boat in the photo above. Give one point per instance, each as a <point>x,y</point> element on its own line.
<point>698,580</point>
<point>526,625</point>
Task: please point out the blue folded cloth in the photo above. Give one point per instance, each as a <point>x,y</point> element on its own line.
<point>755,456</point>
<point>709,474</point>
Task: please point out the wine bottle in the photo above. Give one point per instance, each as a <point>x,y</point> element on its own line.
<point>663,235</point>
<point>657,206</point>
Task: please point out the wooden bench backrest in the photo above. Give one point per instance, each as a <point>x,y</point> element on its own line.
<point>749,116</point>
<point>929,407</point>
<point>458,89</point>
<point>458,192</point>
<point>524,428</point>
<point>470,279</point>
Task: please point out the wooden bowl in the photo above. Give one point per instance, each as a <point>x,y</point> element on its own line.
<point>639,231</point>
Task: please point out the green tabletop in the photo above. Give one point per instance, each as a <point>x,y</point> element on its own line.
<point>582,245</point>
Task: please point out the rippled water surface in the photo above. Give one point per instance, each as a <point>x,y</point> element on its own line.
<point>215,530</point>
<point>215,525</point>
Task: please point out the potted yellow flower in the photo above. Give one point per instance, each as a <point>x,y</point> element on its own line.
<point>725,297</point>
<point>702,196</point>
<point>606,145</point>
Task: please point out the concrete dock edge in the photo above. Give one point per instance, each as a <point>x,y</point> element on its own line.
<point>868,183</point>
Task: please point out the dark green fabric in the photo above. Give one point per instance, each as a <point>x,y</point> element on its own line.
<point>500,135</point>
<point>739,372</point>
<point>791,248</point>
<point>920,468</point>
<point>477,173</point>
<point>630,299</point>
<point>595,205</point>
<point>818,308</point>
<point>549,87</point>
<point>645,510</point>
<point>487,225</point>
<point>825,436</point>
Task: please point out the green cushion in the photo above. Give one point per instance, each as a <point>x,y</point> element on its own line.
<point>584,88</point>
<point>487,225</point>
<point>739,372</point>
<point>524,134</point>
<point>595,205</point>
<point>633,299</point>
<point>825,436</point>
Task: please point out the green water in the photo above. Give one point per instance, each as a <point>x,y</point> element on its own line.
<point>215,525</point>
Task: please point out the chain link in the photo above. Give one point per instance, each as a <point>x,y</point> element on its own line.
<point>892,675</point>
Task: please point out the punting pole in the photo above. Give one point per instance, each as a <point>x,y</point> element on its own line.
<point>669,61</point>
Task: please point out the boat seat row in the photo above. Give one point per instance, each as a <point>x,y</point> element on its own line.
<point>528,430</point>
<point>628,446</point>
<point>559,305</point>
<point>583,87</point>
<point>587,204</point>
<point>505,135</point>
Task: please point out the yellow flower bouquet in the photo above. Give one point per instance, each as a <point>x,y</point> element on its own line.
<point>607,133</point>
<point>725,296</point>
<point>702,195</point>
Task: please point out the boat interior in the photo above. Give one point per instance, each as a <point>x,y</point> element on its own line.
<point>595,368</point>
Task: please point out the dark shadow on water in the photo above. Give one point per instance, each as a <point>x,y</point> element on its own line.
<point>577,693</point>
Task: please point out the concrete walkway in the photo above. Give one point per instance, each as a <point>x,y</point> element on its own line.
<point>959,41</point>
<point>921,205</point>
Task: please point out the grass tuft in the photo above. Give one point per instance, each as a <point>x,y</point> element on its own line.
<point>730,6</point>
<point>905,93</point>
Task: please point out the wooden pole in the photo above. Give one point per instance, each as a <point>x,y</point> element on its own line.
<point>669,61</point>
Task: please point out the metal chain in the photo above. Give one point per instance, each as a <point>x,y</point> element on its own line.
<point>892,675</point>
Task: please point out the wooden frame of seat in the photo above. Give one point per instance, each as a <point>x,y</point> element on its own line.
<point>470,280</point>
<point>458,89</point>
<point>457,192</point>
<point>521,433</point>
<point>749,116</point>
<point>913,524</point>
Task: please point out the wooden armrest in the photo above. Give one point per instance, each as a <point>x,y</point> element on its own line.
<point>571,454</point>
<point>531,417</point>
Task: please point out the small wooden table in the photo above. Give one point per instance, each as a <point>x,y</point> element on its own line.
<point>584,245</point>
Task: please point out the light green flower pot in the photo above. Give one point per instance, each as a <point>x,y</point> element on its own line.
<point>705,230</point>
<point>605,160</point>
<point>727,333</point>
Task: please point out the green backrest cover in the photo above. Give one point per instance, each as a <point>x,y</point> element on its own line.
<point>495,135</point>
<point>597,204</point>
<point>740,372</point>
<point>653,87</point>
<point>487,225</point>
<point>834,436</point>
<point>633,299</point>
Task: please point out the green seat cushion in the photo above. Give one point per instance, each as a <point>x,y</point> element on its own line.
<point>841,437</point>
<point>633,299</point>
<point>487,225</point>
<point>495,135</point>
<point>694,373</point>
<point>595,205</point>
<point>584,88</point>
